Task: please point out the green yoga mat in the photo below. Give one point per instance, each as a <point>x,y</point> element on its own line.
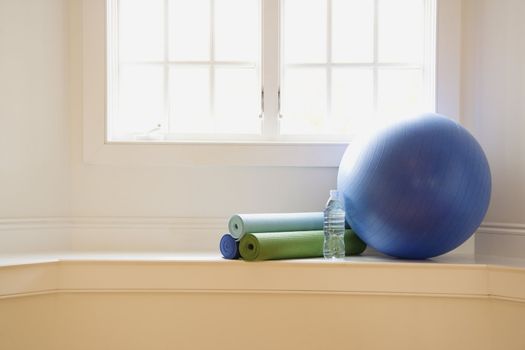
<point>241,224</point>
<point>292,245</point>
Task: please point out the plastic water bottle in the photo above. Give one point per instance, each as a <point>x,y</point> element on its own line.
<point>334,227</point>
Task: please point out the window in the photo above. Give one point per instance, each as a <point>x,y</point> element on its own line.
<point>184,67</point>
<point>265,70</point>
<point>92,39</point>
<point>364,61</point>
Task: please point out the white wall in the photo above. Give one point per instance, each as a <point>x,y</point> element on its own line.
<point>34,123</point>
<point>40,70</point>
<point>492,85</point>
<point>494,110</point>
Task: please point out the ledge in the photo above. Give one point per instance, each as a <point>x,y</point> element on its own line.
<point>452,277</point>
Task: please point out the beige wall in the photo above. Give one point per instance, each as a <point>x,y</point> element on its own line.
<point>279,321</point>
<point>170,302</point>
<point>29,323</point>
<point>494,109</point>
<point>34,123</point>
<point>494,97</point>
<point>257,321</point>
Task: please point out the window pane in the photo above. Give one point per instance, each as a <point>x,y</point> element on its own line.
<point>141,98</point>
<point>237,30</point>
<point>400,93</point>
<point>190,100</point>
<point>237,101</point>
<point>401,30</point>
<point>352,30</point>
<point>304,31</point>
<point>352,99</point>
<point>304,101</point>
<point>189,23</point>
<point>141,32</point>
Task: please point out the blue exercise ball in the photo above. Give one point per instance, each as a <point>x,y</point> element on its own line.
<point>415,189</point>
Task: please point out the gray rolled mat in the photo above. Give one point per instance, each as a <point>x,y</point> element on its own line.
<point>292,245</point>
<point>241,224</point>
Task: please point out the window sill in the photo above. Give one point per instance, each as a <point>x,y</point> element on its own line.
<point>275,154</point>
<point>447,276</point>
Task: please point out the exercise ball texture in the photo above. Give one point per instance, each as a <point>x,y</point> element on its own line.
<point>415,189</point>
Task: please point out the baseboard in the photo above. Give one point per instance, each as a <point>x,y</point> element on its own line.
<point>34,234</point>
<point>501,228</point>
<point>501,239</point>
<point>177,234</point>
<point>182,234</point>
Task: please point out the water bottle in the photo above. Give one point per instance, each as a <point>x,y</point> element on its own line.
<point>334,227</point>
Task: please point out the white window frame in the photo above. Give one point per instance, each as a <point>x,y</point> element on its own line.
<point>97,150</point>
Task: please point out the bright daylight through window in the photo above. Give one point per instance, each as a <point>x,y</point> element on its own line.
<point>194,69</point>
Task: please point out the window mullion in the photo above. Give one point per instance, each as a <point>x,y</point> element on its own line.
<point>270,67</point>
<point>112,69</point>
<point>328,62</point>
<point>376,49</point>
<point>166,124</point>
<point>429,60</point>
<point>212,62</point>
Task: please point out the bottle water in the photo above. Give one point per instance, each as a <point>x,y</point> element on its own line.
<point>334,227</point>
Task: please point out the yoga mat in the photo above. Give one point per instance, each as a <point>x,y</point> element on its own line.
<point>292,245</point>
<point>241,224</point>
<point>229,247</point>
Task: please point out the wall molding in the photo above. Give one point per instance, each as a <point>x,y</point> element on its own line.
<point>111,222</point>
<point>186,222</point>
<point>9,224</point>
<point>149,222</point>
<point>502,228</point>
<point>34,235</point>
<point>172,234</point>
<point>179,234</point>
<point>501,239</point>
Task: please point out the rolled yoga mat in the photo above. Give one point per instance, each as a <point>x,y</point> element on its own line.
<point>229,247</point>
<point>241,224</point>
<point>292,245</point>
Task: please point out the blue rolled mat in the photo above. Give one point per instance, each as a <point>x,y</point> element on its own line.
<point>229,247</point>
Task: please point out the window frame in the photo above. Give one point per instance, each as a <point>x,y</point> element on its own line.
<point>98,150</point>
